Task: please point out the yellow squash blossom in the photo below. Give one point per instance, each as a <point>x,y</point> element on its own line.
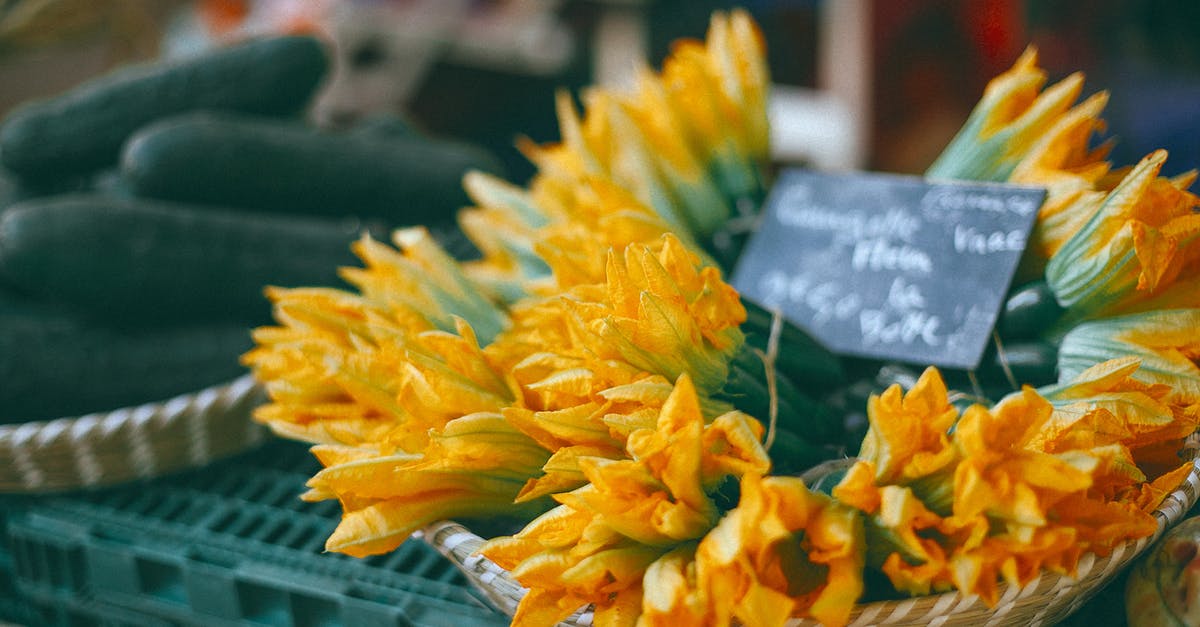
<point>1064,161</point>
<point>474,467</point>
<point>1020,467</point>
<point>1003,476</point>
<point>1024,487</point>
<point>601,217</point>
<point>666,315</point>
<point>718,89</point>
<point>650,123</point>
<point>526,413</point>
<point>908,437</point>
<point>585,360</point>
<point>632,167</point>
<point>670,595</point>
<point>687,146</point>
<point>1165,342</point>
<point>914,546</point>
<point>1007,123</point>
<point>1110,403</point>
<point>1075,175</point>
<point>784,551</point>
<point>540,243</point>
<point>1139,251</point>
<point>385,365</point>
<point>421,279</point>
<point>595,547</point>
<point>299,363</point>
<point>504,226</point>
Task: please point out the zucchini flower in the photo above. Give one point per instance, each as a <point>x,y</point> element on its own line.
<point>504,226</point>
<point>601,217</point>
<point>683,153</point>
<point>1139,251</point>
<point>665,314</point>
<point>596,546</point>
<point>1021,134</point>
<point>1017,493</point>
<point>783,551</point>
<point>473,467</point>
<point>385,365</point>
<point>1004,477</point>
<point>1075,175</point>
<point>908,438</point>
<point>1165,342</point>
<point>1010,119</point>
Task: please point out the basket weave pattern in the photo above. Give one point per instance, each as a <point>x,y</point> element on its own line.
<point>1046,600</point>
<point>131,443</point>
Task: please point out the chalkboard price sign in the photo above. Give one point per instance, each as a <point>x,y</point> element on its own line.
<point>887,266</point>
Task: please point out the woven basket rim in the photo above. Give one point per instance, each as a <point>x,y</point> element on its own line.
<point>136,442</point>
<point>1048,598</point>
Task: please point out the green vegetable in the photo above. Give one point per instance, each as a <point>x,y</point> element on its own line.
<point>9,192</point>
<point>810,365</point>
<point>54,363</point>
<point>264,164</point>
<point>382,125</point>
<point>137,262</point>
<point>83,129</point>
<point>1028,312</point>
<point>1034,363</point>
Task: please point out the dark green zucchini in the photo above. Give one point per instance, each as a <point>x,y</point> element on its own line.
<point>386,125</point>
<point>14,189</point>
<point>9,192</point>
<point>243,161</point>
<point>1029,311</point>
<point>14,302</point>
<point>54,364</point>
<point>804,360</point>
<point>83,129</point>
<point>1031,363</point>
<point>136,262</point>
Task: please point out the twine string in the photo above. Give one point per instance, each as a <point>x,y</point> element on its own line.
<point>1004,365</point>
<point>768,358</point>
<point>975,387</point>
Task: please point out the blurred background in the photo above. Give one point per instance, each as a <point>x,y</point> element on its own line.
<point>859,83</point>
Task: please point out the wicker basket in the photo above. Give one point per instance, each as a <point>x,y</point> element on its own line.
<point>102,449</point>
<point>1046,600</point>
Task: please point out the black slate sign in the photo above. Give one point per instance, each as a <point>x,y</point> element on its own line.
<point>887,266</point>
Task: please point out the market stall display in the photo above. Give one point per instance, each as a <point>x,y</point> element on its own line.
<point>594,376</point>
<point>134,250</point>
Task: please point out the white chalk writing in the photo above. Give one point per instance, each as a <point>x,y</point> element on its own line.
<point>879,254</point>
<point>968,240</point>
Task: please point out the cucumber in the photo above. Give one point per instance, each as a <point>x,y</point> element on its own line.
<point>135,262</point>
<point>1029,311</point>
<point>83,129</point>
<point>55,364</point>
<point>268,165</point>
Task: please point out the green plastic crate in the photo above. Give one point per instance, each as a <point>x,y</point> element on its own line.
<point>228,544</point>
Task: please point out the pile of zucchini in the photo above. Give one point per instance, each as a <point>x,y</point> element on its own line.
<point>143,213</point>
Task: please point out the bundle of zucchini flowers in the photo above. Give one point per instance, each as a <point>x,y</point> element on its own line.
<point>593,378</point>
